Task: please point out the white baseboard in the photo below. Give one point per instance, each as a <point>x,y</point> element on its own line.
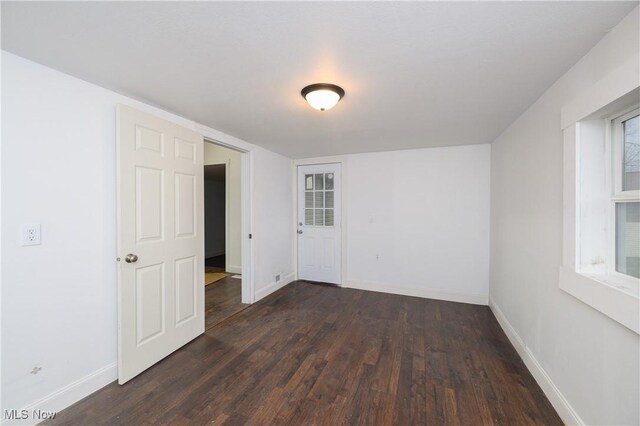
<point>476,299</point>
<point>263,292</point>
<point>233,269</point>
<point>68,395</point>
<point>566,412</point>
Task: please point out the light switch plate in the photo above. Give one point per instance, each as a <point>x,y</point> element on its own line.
<point>31,234</point>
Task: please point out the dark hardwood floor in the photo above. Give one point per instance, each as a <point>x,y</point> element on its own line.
<point>222,299</point>
<point>311,354</point>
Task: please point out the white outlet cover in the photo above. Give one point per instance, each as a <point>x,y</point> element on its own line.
<point>30,235</point>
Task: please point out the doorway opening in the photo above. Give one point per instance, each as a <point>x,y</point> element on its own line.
<point>223,233</point>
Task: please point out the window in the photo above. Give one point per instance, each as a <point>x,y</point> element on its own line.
<point>318,199</point>
<point>600,235</point>
<point>625,200</point>
<point>608,198</point>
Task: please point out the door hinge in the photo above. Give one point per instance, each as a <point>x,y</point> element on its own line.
<point>250,236</point>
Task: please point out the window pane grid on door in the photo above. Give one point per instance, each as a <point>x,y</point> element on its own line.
<point>308,200</point>
<point>328,181</point>
<point>308,217</point>
<point>328,217</point>
<point>319,200</point>
<point>328,199</point>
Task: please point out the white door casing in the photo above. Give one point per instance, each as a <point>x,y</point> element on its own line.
<point>319,223</point>
<point>161,221</point>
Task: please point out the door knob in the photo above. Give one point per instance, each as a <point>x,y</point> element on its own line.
<point>299,231</point>
<point>131,258</point>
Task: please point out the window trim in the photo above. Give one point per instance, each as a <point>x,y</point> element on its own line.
<point>614,92</point>
<point>606,293</point>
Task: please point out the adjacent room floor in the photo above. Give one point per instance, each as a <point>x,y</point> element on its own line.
<point>312,354</point>
<point>222,297</point>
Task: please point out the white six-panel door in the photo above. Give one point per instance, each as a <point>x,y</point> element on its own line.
<point>160,239</point>
<point>319,223</point>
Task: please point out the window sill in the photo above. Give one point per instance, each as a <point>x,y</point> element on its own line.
<point>611,295</point>
<point>621,283</point>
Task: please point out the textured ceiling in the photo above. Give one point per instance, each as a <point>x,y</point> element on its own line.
<point>415,74</point>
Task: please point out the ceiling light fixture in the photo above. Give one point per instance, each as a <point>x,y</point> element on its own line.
<point>322,96</point>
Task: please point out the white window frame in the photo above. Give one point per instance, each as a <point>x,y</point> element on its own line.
<point>615,144</point>
<point>617,141</point>
<point>614,92</point>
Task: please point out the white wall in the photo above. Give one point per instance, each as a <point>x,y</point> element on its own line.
<point>273,227</point>
<point>216,154</point>
<point>591,359</point>
<point>418,222</point>
<point>58,169</point>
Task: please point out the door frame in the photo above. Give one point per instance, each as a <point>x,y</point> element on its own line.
<point>246,225</point>
<point>342,160</point>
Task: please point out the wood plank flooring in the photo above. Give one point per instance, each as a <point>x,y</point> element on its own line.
<point>222,299</point>
<point>311,354</point>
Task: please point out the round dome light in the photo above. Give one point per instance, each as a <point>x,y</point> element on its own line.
<point>322,96</point>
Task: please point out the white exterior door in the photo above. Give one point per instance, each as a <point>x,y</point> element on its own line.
<point>319,222</point>
<point>160,239</point>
